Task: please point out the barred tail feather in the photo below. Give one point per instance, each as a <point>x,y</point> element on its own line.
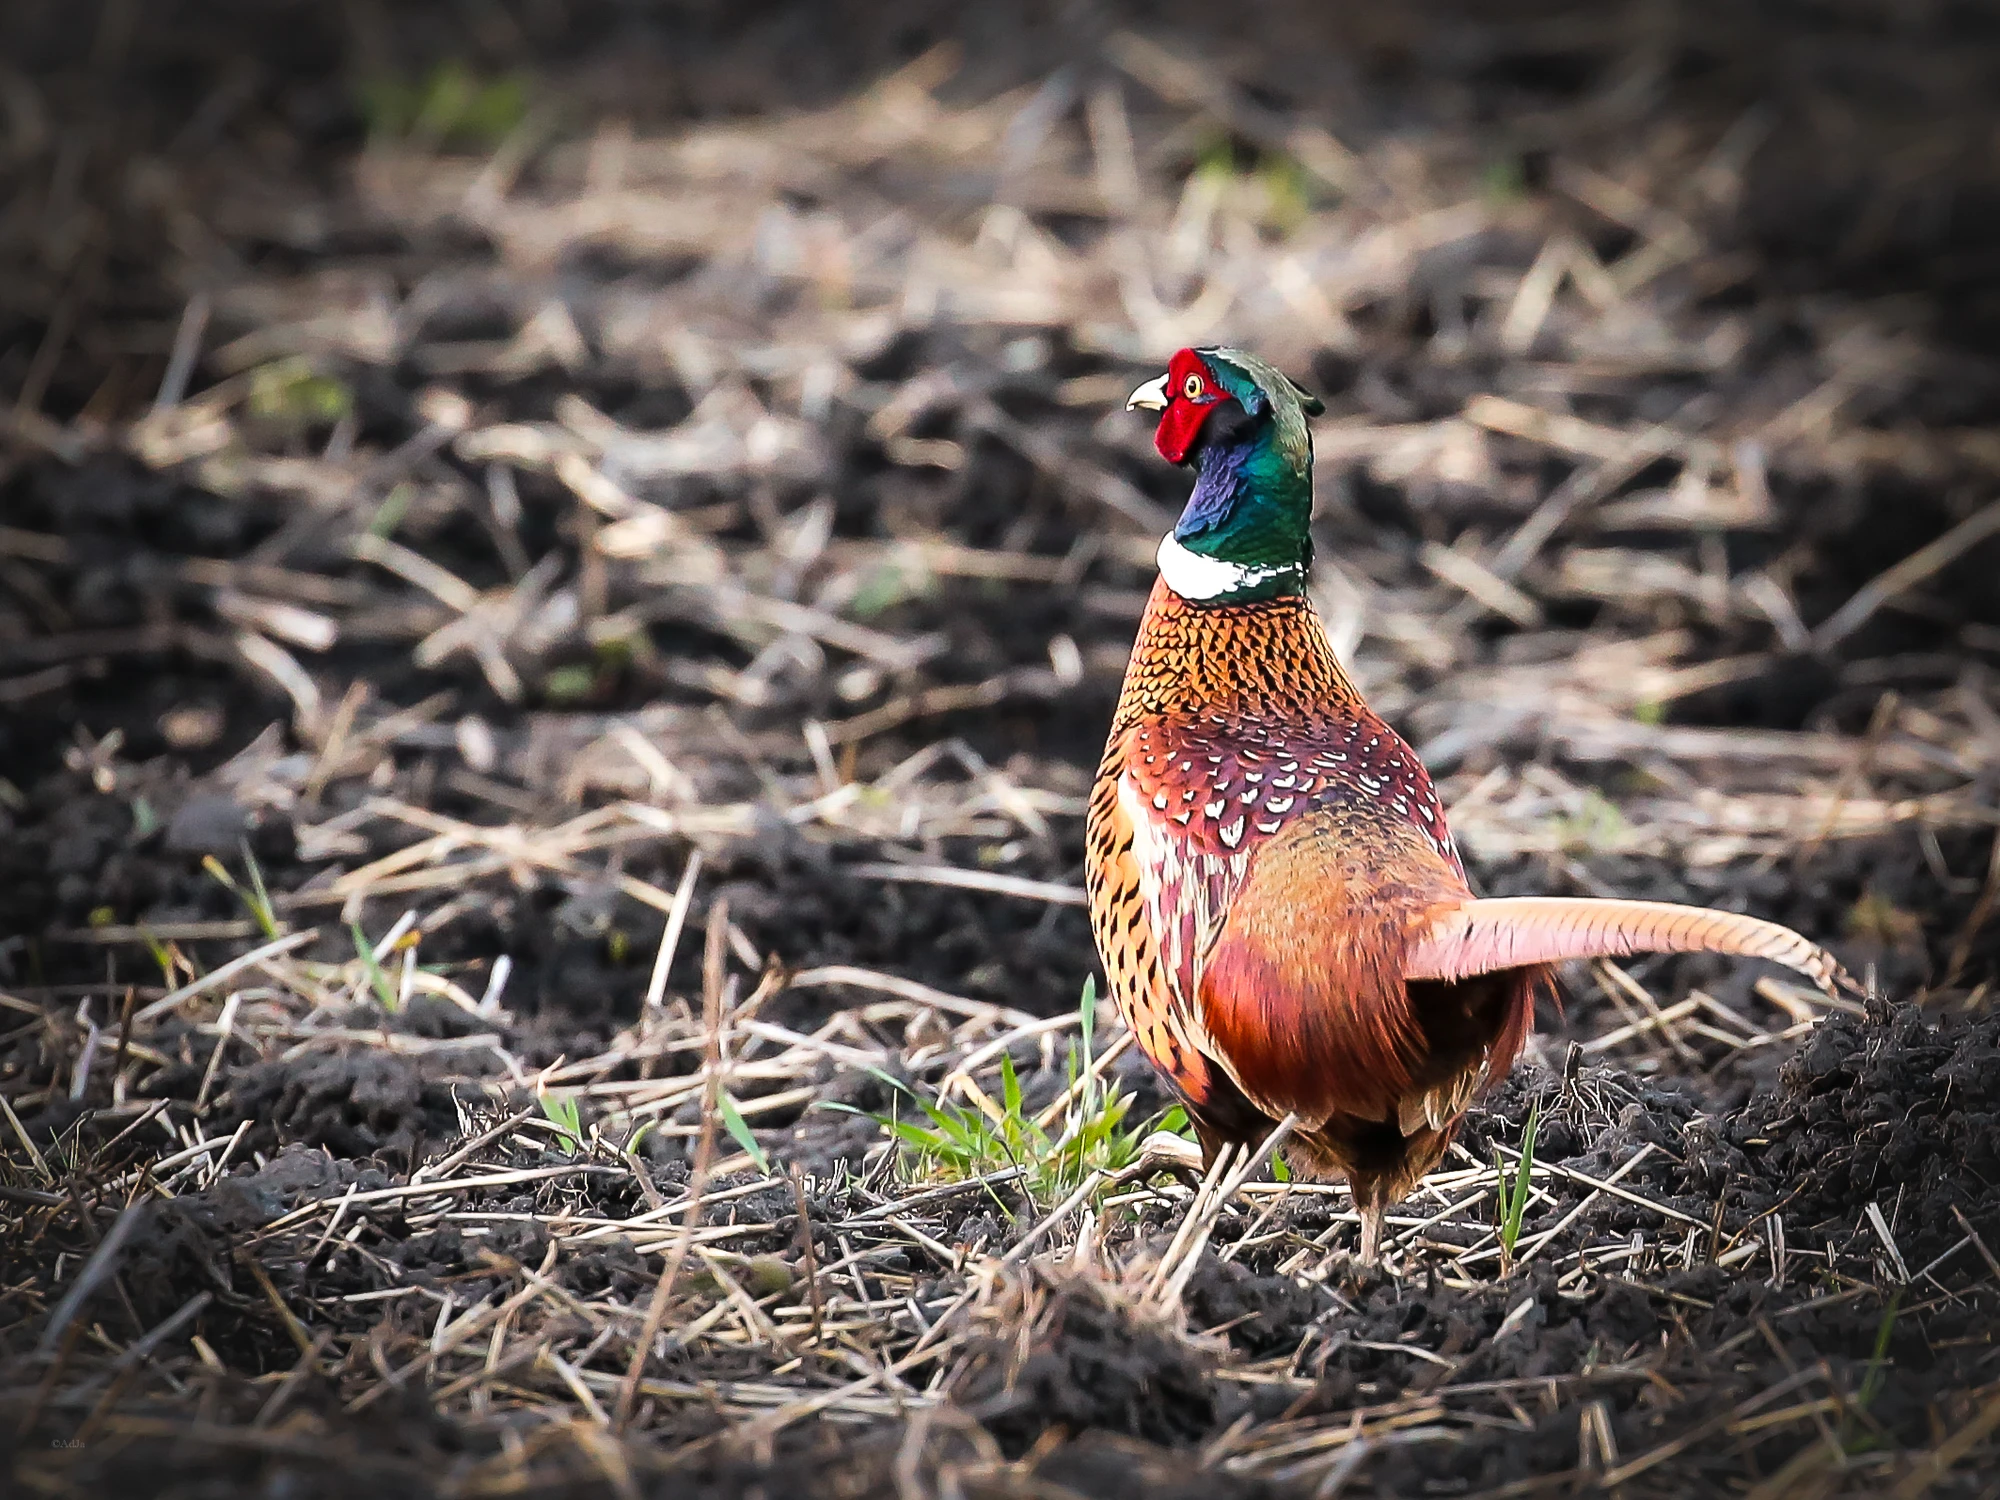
<point>1508,932</point>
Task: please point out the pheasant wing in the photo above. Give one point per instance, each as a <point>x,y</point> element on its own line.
<point>1260,847</point>
<point>1302,994</point>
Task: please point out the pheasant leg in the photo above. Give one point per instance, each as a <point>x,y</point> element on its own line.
<point>1372,1217</point>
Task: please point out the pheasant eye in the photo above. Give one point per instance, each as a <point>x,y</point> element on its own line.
<point>1191,387</point>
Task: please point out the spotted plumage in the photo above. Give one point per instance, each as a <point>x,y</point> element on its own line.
<point>1282,913</point>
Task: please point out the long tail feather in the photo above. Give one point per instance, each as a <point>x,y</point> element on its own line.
<point>1509,932</point>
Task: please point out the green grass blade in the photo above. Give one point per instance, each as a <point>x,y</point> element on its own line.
<point>384,990</point>
<point>1516,1198</point>
<point>561,1111</point>
<point>739,1131</point>
<point>1087,1023</point>
<point>259,898</point>
<point>896,1085</point>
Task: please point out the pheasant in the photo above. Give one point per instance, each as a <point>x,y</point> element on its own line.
<point>1285,922</point>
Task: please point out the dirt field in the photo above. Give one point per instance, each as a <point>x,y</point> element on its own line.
<point>563,570</point>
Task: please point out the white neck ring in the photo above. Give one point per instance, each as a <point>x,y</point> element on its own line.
<point>1199,579</point>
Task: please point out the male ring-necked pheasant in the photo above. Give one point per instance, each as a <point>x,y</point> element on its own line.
<point>1284,919</point>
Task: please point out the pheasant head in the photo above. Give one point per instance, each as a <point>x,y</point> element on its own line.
<point>1241,426</point>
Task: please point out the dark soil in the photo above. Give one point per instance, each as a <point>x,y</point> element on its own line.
<point>1794,1288</point>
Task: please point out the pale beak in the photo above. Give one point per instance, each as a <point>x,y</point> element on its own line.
<point>1152,396</point>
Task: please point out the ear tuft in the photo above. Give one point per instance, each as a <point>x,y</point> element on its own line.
<point>1308,402</point>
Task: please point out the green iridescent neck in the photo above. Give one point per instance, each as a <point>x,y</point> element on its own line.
<point>1245,531</point>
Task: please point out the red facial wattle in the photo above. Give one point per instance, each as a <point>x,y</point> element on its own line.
<point>1192,394</point>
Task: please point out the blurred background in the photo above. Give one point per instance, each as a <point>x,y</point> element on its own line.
<point>574,489</point>
<point>524,408</point>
